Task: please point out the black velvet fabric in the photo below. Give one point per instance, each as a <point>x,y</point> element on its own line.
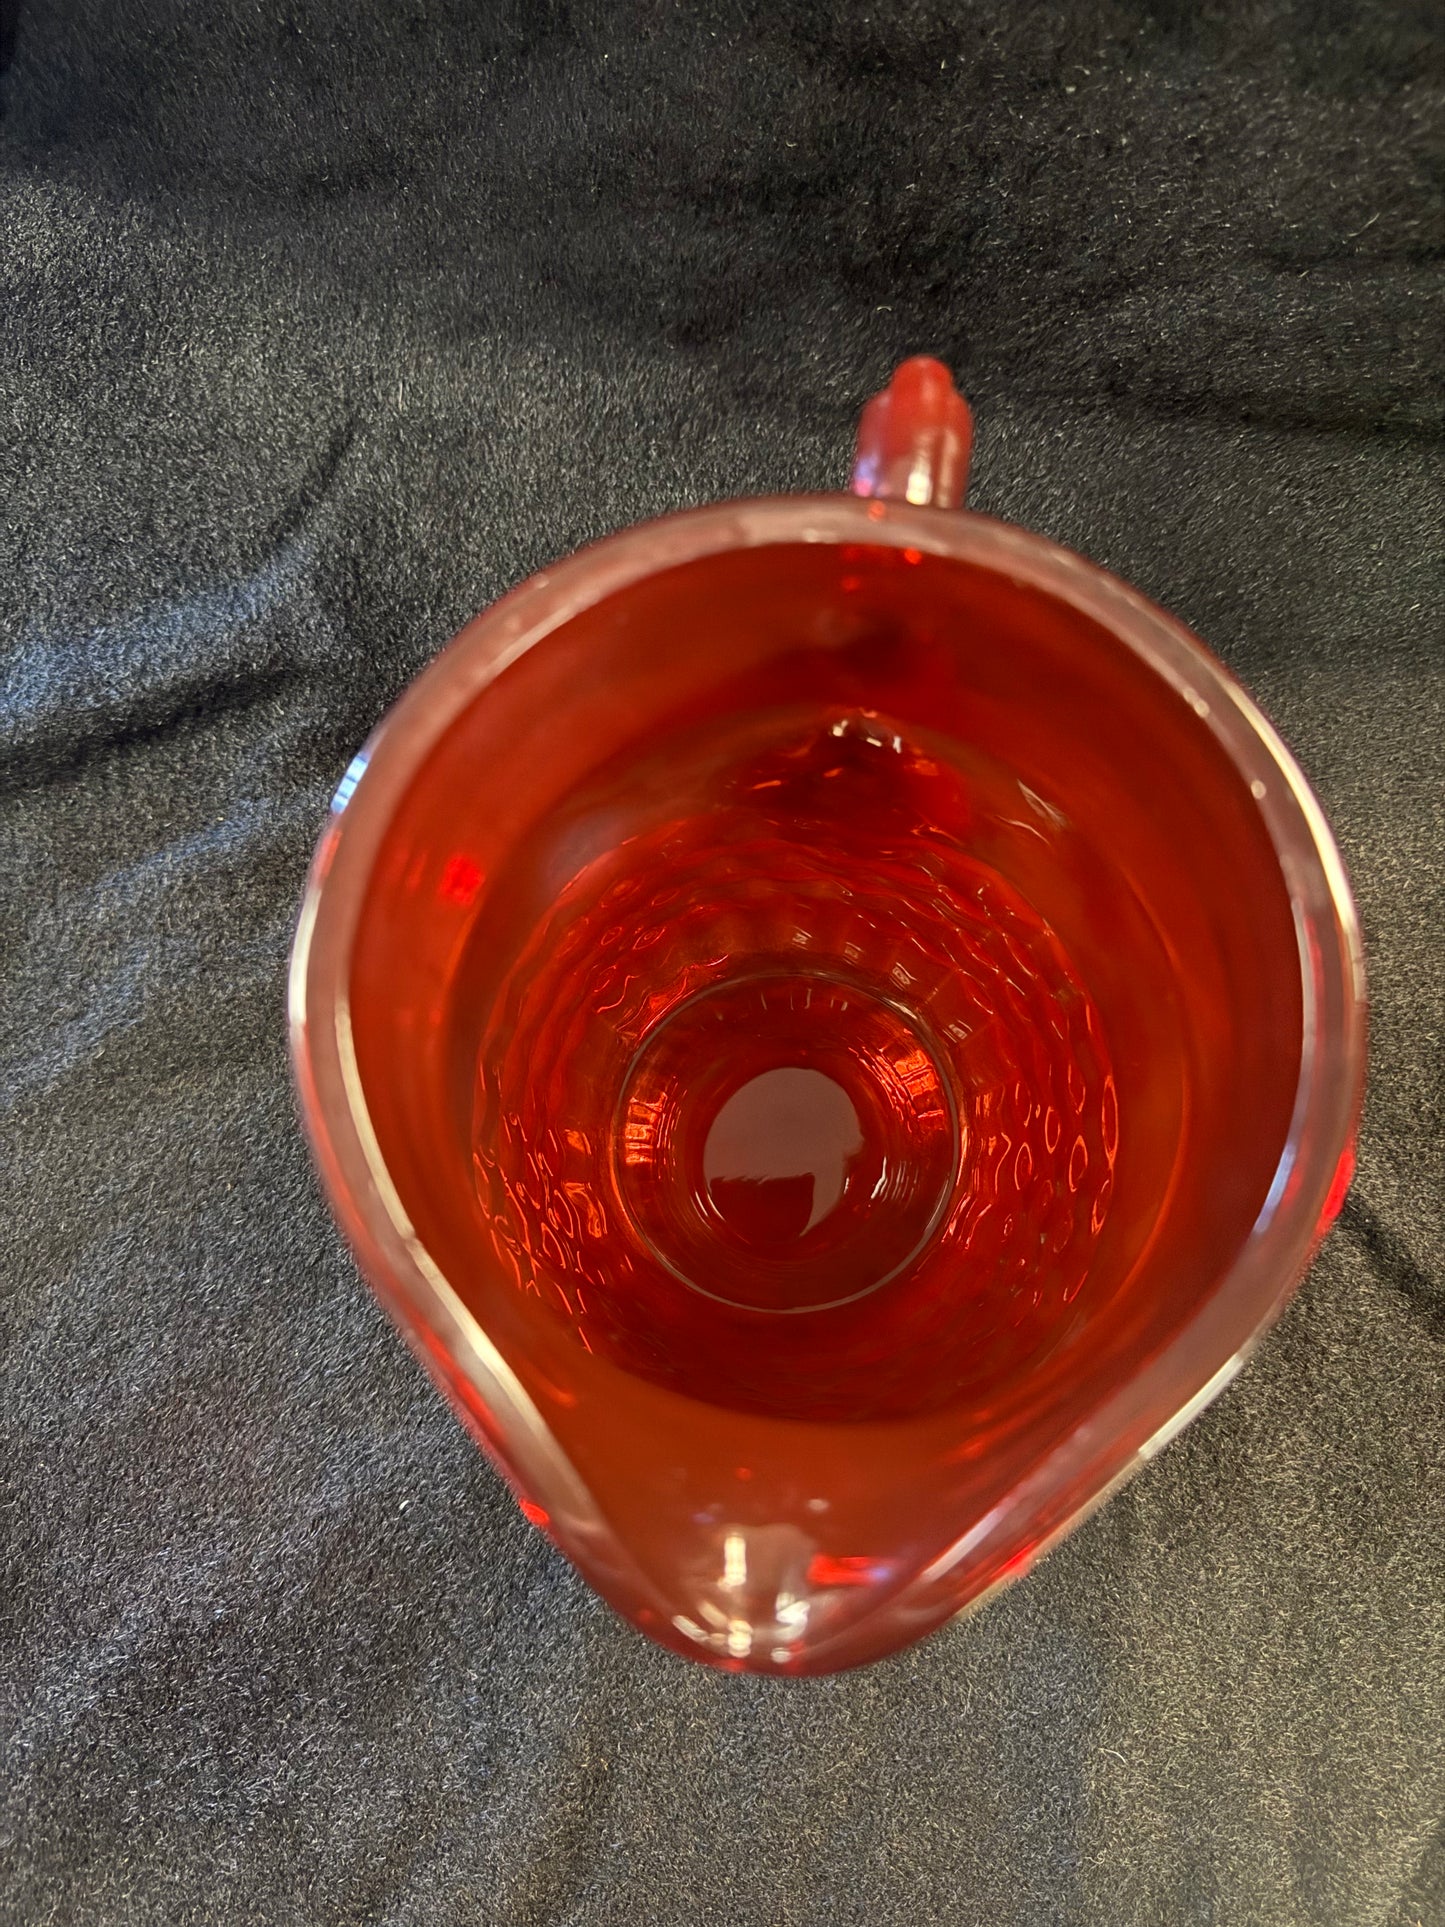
<point>325,322</point>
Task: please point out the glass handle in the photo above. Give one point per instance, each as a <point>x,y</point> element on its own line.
<point>914,439</point>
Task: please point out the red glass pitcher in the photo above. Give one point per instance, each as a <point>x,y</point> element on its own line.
<point>832,1025</point>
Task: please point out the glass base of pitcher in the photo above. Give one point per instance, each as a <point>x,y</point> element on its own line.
<point>787,1141</point>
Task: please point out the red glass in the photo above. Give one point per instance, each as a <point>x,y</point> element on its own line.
<point>832,1025</point>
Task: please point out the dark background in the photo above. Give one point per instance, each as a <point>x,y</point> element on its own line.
<point>324,323</point>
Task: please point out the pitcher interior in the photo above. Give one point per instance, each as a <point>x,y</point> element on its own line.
<point>831,982</point>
